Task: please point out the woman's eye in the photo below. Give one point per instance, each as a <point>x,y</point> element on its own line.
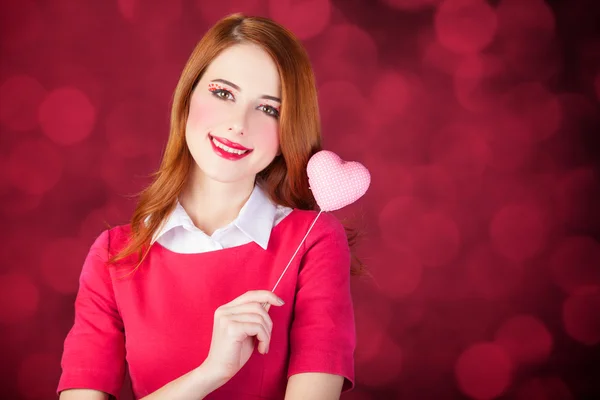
<point>269,110</point>
<point>222,94</point>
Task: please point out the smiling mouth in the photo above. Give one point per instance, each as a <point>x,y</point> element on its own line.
<point>232,148</point>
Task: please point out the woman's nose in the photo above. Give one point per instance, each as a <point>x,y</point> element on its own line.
<point>237,129</point>
<point>237,123</point>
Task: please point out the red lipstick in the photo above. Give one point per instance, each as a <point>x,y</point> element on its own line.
<point>225,154</point>
<point>229,143</point>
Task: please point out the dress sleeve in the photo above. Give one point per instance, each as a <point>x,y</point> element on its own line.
<point>323,333</point>
<point>94,349</point>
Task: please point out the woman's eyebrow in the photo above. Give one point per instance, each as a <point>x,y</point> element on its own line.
<point>277,99</point>
<point>236,87</point>
<point>233,85</point>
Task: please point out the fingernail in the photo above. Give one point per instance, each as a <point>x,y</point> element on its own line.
<point>280,301</point>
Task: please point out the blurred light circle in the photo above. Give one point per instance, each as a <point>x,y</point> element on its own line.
<point>435,239</point>
<point>15,203</point>
<point>533,59</point>
<point>483,371</point>
<point>397,274</point>
<point>380,189</point>
<point>129,127</point>
<point>118,210</point>
<point>37,375</point>
<point>62,262</point>
<point>413,315</point>
<point>67,116</point>
<point>465,26</point>
<point>525,17</point>
<point>34,166</point>
<point>342,110</point>
<point>138,170</point>
<point>78,74</point>
<point>518,231</point>
<point>392,146</point>
<point>397,220</point>
<point>19,297</point>
<point>212,11</point>
<point>435,55</point>
<point>16,248</point>
<point>575,264</point>
<point>163,76</point>
<point>306,18</point>
<point>537,107</point>
<point>338,94</point>
<point>127,8</point>
<point>83,158</point>
<point>347,53</point>
<point>581,316</point>
<point>370,331</point>
<point>20,97</point>
<point>491,275</point>
<point>511,143</point>
<point>526,38</point>
<point>433,186</point>
<point>93,225</point>
<point>159,12</point>
<point>500,190</point>
<point>406,224</point>
<point>412,5</point>
<point>526,339</point>
<point>461,150</point>
<point>546,388</point>
<point>154,27</point>
<point>473,81</point>
<point>385,367</point>
<point>390,95</point>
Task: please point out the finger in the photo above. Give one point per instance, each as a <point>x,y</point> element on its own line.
<point>259,296</point>
<point>252,329</point>
<point>260,346</point>
<point>249,317</point>
<point>253,308</point>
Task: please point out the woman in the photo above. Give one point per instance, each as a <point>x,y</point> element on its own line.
<point>209,239</point>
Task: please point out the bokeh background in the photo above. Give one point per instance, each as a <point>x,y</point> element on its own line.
<point>479,122</point>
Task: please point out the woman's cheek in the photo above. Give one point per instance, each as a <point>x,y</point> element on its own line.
<point>268,131</point>
<point>203,113</point>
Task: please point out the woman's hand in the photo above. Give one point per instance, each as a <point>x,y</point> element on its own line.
<point>236,325</point>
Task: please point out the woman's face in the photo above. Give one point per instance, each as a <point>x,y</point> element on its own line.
<point>232,129</point>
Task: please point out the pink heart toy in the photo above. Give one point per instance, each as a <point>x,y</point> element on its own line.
<point>336,183</point>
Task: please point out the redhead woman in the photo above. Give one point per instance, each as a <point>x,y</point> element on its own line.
<point>181,296</point>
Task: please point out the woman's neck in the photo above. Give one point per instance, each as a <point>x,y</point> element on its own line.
<point>211,204</point>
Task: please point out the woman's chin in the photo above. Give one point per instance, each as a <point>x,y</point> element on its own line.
<point>226,176</point>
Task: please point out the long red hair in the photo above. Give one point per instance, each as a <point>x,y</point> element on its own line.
<point>285,179</point>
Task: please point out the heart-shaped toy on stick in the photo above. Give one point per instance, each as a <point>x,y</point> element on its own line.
<point>335,184</point>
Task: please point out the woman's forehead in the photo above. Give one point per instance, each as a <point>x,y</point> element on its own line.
<point>249,67</point>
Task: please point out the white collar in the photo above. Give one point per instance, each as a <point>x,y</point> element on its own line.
<point>255,220</point>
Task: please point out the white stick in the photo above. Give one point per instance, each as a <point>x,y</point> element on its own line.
<point>296,252</point>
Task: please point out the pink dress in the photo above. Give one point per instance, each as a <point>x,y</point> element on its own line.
<point>160,318</point>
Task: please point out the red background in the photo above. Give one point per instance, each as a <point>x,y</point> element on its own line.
<point>478,121</point>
